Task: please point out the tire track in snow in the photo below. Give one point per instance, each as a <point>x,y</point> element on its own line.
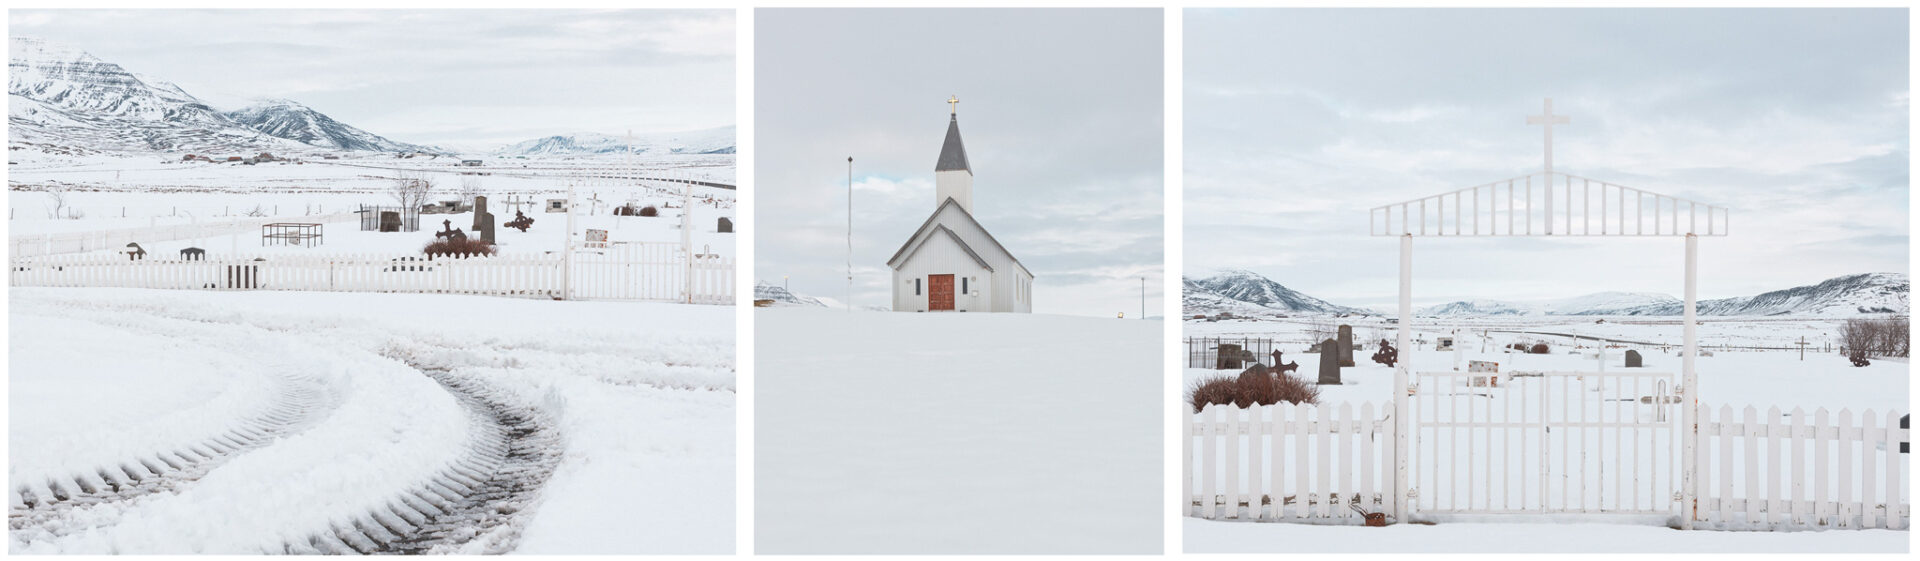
<point>474,506</point>
<point>45,508</point>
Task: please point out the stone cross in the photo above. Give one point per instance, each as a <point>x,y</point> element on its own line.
<point>953,103</point>
<point>1547,119</point>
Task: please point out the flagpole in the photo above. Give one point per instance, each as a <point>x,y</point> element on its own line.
<point>849,234</point>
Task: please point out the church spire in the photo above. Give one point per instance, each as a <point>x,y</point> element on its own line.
<point>953,154</point>
<point>953,176</point>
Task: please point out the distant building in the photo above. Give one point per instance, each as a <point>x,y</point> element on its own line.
<point>470,163</point>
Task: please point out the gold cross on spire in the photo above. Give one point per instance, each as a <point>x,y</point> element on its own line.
<point>954,104</point>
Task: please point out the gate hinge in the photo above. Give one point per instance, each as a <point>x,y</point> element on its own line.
<point>1677,497</point>
<point>1413,389</point>
<point>1413,492</point>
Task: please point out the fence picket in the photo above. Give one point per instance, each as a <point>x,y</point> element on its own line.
<point>1895,520</point>
<point>1233,460</point>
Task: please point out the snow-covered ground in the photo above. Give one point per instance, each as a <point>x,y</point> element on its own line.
<point>201,422</point>
<point>956,433</point>
<point>1209,536</point>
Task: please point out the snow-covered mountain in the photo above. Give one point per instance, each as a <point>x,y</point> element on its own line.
<point>292,121</point>
<point>1248,293</point>
<point>1597,304</point>
<point>763,290</point>
<point>706,141</point>
<point>64,100</point>
<point>1853,294</point>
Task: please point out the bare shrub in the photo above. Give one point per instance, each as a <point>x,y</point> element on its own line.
<point>1255,386</point>
<point>649,211</point>
<point>257,211</point>
<point>1861,338</point>
<point>458,247</point>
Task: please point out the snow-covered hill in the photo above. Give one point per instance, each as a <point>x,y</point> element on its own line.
<point>1853,294</point>
<point>1598,304</point>
<point>292,121</point>
<point>1247,293</point>
<point>63,100</point>
<point>706,141</point>
<point>763,290</point>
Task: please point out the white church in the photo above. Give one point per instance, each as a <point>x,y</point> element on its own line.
<point>951,263</point>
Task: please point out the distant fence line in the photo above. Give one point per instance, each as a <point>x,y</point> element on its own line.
<point>31,245</point>
<point>661,272</point>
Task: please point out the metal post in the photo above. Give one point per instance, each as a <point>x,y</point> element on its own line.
<point>849,234</point>
<point>1143,299</point>
<point>1400,390</point>
<point>1689,387</point>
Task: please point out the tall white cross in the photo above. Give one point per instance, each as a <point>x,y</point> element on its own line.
<point>1547,119</point>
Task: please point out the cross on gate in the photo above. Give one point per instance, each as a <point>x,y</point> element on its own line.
<point>1547,120</point>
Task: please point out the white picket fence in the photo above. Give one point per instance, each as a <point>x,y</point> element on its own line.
<point>31,245</point>
<point>606,276</point>
<point>1797,471</point>
<point>1293,463</point>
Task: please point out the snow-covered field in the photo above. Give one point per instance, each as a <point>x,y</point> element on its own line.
<point>131,192</point>
<point>200,422</point>
<point>956,433</point>
<point>1745,368</point>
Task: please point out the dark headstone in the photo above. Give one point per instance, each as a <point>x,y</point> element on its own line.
<point>482,219</point>
<point>193,254</point>
<point>1633,359</point>
<point>479,211</point>
<point>1227,357</point>
<point>1387,354</point>
<point>1329,362</point>
<point>726,225</point>
<point>389,221</point>
<point>1346,345</point>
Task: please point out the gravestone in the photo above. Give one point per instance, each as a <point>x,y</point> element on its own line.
<point>479,211</point>
<point>1227,356</point>
<point>193,254</point>
<point>389,221</point>
<point>1346,345</point>
<point>1633,358</point>
<point>482,219</point>
<point>1330,362</point>
<point>726,225</point>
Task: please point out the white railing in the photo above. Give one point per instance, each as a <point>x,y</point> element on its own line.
<point>1782,472</point>
<point>1556,204</point>
<point>1292,463</point>
<point>30,245</point>
<point>528,275</point>
<point>657,271</point>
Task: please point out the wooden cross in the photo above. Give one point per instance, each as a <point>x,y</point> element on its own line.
<point>1547,119</point>
<point>953,103</point>
<point>1803,348</point>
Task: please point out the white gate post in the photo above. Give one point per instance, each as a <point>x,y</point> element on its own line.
<point>1689,386</point>
<point>1400,395</point>
<point>566,253</point>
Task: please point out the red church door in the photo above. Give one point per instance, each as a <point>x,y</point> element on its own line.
<point>940,292</point>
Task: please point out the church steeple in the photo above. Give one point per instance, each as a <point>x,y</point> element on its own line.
<point>952,175</point>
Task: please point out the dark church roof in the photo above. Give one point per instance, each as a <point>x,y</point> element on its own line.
<point>953,155</point>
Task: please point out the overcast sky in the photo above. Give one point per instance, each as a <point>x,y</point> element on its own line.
<point>1298,121</point>
<point>1061,113</point>
<point>456,78</point>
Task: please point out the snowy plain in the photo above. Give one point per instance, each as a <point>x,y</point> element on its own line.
<point>639,398</point>
<point>956,433</point>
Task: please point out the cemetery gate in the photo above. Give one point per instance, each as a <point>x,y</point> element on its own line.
<point>1544,442</point>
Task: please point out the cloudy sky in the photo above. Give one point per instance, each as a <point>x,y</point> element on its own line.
<point>457,78</point>
<point>1298,121</point>
<point>1061,113</point>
